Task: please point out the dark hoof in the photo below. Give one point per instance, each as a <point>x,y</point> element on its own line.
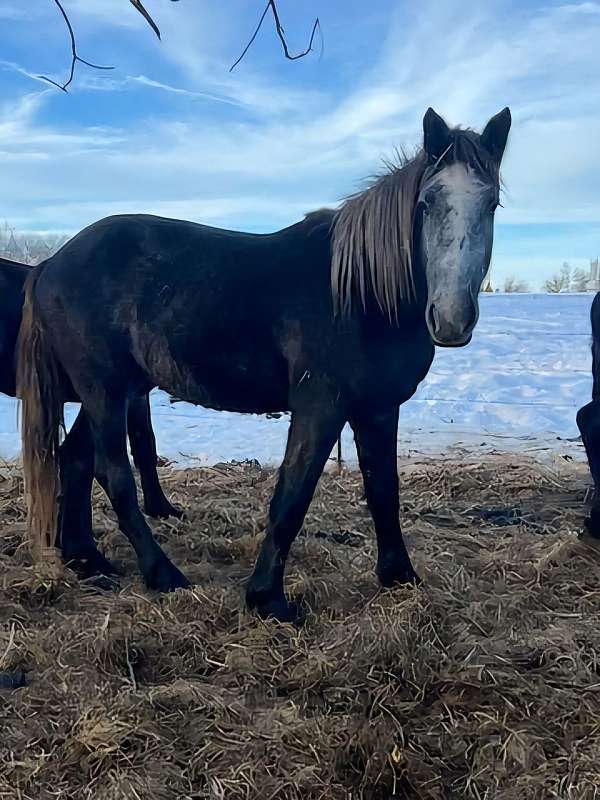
<point>277,608</point>
<point>393,575</point>
<point>12,680</point>
<point>165,577</point>
<point>92,565</point>
<point>592,525</point>
<point>104,583</point>
<point>162,509</point>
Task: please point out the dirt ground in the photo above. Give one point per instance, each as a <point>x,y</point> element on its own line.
<point>484,683</point>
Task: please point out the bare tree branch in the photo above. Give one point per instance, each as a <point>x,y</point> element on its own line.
<point>272,7</point>
<point>74,56</point>
<point>139,7</point>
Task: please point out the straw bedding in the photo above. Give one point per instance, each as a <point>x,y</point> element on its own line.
<point>484,683</point>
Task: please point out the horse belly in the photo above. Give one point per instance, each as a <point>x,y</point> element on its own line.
<point>249,381</point>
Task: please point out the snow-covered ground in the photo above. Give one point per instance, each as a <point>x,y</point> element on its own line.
<point>517,386</point>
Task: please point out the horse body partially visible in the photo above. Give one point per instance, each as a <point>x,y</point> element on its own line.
<point>77,539</point>
<point>588,421</point>
<point>12,281</point>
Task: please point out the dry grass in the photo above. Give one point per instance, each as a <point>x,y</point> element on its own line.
<point>483,684</point>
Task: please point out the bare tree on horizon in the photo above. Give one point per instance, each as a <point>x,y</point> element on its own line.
<point>513,285</point>
<point>560,281</point>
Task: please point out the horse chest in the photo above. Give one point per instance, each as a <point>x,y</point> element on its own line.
<point>390,367</point>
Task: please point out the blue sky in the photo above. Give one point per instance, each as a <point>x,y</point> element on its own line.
<point>171,131</point>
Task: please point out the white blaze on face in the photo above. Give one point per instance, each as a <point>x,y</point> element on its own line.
<point>456,238</point>
<point>455,233</point>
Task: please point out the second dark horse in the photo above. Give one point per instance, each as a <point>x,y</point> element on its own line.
<point>334,319</point>
<point>76,539</point>
<point>588,421</point>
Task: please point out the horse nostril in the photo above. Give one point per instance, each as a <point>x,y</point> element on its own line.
<point>434,320</point>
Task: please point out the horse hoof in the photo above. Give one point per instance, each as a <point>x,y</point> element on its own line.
<point>165,577</point>
<point>104,583</point>
<point>592,525</point>
<point>12,680</point>
<point>92,565</point>
<point>163,510</point>
<point>391,576</point>
<point>277,608</point>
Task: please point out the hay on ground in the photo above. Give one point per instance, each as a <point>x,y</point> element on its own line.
<point>484,683</point>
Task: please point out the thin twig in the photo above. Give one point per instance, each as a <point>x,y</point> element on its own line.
<point>11,641</point>
<point>271,6</point>
<point>74,56</point>
<point>139,7</point>
<point>130,667</point>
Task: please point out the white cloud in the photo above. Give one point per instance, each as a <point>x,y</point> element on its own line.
<point>254,148</point>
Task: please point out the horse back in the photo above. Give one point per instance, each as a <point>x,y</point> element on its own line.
<point>221,318</point>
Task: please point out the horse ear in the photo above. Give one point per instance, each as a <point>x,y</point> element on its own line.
<point>495,133</point>
<point>436,134</point>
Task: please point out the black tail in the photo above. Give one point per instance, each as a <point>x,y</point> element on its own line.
<point>595,315</point>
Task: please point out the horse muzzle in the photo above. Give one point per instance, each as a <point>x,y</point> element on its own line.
<point>453,328</point>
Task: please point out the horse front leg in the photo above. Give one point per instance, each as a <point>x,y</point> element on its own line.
<point>312,435</point>
<point>376,444</point>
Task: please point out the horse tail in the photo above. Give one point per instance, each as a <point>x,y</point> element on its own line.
<point>595,316</point>
<point>40,390</point>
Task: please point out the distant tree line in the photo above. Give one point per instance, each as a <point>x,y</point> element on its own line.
<point>28,247</point>
<point>566,279</point>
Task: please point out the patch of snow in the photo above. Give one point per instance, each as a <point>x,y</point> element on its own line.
<point>516,387</point>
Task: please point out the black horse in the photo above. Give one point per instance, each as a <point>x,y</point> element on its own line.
<point>588,421</point>
<point>77,541</point>
<point>334,319</point>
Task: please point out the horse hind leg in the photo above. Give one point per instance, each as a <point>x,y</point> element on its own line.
<point>107,416</point>
<point>76,538</point>
<point>143,449</point>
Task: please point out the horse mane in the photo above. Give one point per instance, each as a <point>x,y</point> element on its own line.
<point>372,232</point>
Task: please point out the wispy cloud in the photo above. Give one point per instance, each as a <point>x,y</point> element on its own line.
<point>262,146</point>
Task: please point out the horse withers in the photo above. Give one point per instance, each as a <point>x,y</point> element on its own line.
<point>334,319</point>
<point>75,518</point>
<point>588,422</point>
